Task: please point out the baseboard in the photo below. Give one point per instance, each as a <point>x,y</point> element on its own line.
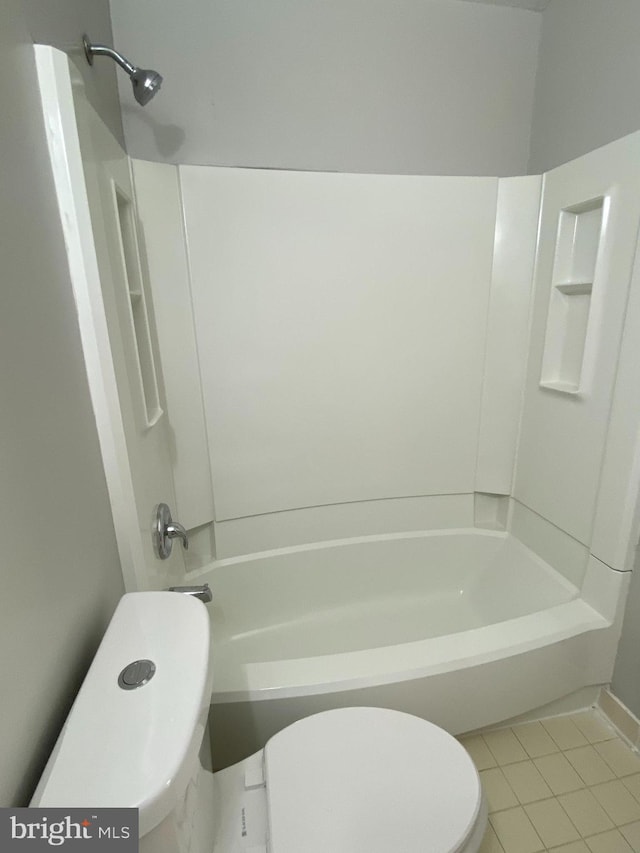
<point>619,716</point>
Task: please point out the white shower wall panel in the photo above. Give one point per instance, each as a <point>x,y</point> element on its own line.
<point>159,211</point>
<point>505,357</point>
<point>565,424</point>
<point>340,322</point>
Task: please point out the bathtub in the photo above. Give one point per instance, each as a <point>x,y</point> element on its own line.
<point>462,627</point>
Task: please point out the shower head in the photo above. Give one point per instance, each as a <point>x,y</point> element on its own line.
<point>145,81</point>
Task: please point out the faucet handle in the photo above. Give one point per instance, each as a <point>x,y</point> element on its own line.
<point>165,530</point>
<point>176,531</point>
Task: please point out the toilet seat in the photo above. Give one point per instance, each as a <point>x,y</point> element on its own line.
<point>369,780</point>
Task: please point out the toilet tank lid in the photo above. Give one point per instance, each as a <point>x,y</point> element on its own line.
<point>136,747</point>
<point>369,780</point>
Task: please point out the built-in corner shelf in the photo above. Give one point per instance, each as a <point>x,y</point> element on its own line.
<point>141,359</point>
<point>578,243</point>
<point>575,288</point>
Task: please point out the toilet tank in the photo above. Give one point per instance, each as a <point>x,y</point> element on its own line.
<point>125,745</point>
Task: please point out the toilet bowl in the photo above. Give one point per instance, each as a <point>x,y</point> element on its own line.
<point>351,780</point>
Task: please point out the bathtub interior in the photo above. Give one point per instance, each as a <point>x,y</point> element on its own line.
<point>374,592</point>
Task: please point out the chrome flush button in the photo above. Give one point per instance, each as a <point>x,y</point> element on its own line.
<point>136,674</point>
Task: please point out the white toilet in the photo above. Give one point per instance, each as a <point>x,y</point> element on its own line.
<point>354,780</point>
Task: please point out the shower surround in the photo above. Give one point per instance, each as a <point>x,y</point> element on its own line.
<point>366,356</point>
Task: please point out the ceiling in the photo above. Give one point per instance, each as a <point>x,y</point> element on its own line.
<point>535,5</point>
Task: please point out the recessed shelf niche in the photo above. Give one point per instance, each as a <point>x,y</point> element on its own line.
<point>145,369</point>
<point>578,243</point>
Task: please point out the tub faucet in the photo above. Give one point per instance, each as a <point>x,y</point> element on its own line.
<point>203,593</point>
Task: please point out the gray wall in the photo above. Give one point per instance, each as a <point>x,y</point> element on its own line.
<point>410,86</point>
<point>59,572</point>
<point>62,24</point>
<point>588,82</point>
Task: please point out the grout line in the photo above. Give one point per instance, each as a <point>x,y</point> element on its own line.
<point>598,715</point>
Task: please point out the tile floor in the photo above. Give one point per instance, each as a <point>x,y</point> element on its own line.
<point>566,784</point>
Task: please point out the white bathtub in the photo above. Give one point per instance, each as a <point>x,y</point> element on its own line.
<point>462,627</point>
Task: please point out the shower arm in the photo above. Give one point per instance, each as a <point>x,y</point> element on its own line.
<point>92,50</point>
<point>145,81</point>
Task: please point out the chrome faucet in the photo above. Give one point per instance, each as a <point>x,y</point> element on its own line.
<point>203,593</point>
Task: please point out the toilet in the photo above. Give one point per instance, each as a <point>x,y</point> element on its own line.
<point>351,780</point>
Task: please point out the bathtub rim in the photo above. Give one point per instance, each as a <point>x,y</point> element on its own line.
<point>326,544</point>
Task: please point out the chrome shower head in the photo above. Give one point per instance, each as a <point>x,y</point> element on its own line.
<point>145,81</point>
